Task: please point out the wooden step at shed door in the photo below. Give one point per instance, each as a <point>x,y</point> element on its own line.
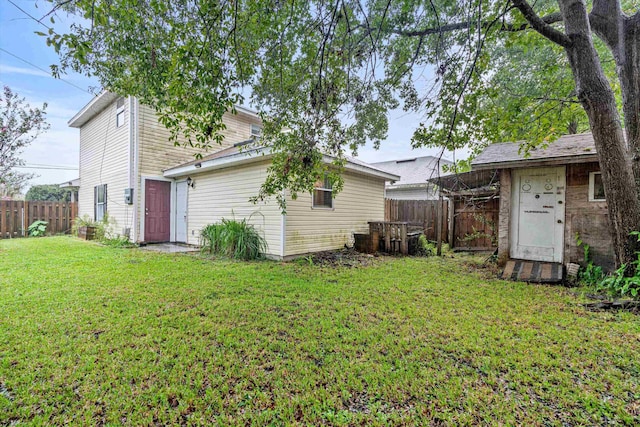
<point>533,271</point>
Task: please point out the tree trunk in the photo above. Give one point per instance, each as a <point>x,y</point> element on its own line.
<point>621,34</point>
<point>598,100</point>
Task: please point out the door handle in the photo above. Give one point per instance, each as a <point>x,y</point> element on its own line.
<point>559,221</point>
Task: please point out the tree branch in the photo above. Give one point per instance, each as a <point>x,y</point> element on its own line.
<point>538,24</point>
<point>552,18</point>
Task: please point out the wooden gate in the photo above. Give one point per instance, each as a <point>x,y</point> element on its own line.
<point>475,223</point>
<point>16,216</point>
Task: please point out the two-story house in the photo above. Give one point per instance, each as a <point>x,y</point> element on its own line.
<point>157,192</point>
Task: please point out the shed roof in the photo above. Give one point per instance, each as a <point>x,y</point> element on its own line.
<point>414,171</point>
<point>566,149</point>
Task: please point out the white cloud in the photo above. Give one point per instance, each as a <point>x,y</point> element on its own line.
<point>10,69</point>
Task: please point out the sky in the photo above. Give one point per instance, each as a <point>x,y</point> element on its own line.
<point>53,156</point>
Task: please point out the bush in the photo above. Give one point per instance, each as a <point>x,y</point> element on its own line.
<point>38,228</point>
<point>425,247</point>
<point>619,283</point>
<point>234,239</point>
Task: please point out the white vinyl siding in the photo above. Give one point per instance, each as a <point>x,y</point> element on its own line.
<point>225,194</point>
<point>311,230</point>
<point>104,159</point>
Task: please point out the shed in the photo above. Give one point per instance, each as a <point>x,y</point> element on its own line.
<point>549,196</point>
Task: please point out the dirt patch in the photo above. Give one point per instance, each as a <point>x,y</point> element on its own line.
<point>340,258</point>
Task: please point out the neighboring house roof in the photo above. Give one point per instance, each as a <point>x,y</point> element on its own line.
<point>104,99</point>
<point>244,153</point>
<point>73,183</point>
<point>566,149</point>
<point>413,172</point>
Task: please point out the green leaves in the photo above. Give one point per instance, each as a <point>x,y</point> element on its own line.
<point>20,124</point>
<point>325,75</point>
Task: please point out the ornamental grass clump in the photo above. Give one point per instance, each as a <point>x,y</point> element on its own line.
<point>233,239</point>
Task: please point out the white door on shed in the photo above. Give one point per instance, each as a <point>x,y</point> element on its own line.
<point>181,211</point>
<point>537,214</point>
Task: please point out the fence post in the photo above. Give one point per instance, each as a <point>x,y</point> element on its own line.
<point>439,225</point>
<point>403,239</point>
<point>24,218</point>
<point>452,219</point>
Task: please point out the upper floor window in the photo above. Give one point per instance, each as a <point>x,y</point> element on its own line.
<point>256,130</point>
<point>323,194</point>
<point>596,187</point>
<point>120,114</point>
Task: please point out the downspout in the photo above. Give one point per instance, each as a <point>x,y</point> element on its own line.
<point>133,176</point>
<point>283,230</point>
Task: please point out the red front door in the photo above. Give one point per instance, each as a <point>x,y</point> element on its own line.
<point>157,211</point>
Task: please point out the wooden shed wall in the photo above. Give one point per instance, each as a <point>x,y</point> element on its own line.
<point>588,219</point>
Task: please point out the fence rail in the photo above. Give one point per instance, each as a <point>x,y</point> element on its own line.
<point>16,216</point>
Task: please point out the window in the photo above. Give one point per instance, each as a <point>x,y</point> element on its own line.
<point>256,131</point>
<point>99,201</point>
<point>323,194</point>
<point>120,112</point>
<point>596,188</point>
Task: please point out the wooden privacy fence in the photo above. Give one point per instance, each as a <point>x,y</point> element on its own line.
<point>468,223</point>
<point>423,212</point>
<point>16,216</point>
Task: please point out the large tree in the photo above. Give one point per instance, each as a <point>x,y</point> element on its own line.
<point>328,72</point>
<point>19,126</point>
<point>48,192</point>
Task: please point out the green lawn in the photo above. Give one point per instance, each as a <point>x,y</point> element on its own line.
<point>94,335</point>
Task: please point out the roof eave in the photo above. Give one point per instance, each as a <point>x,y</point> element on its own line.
<point>219,163</point>
<point>535,162</point>
<point>364,170</point>
<point>96,105</point>
<point>261,154</point>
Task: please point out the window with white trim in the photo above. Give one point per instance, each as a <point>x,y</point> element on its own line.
<point>99,201</point>
<point>596,187</point>
<point>323,194</point>
<point>256,130</point>
<point>120,113</point>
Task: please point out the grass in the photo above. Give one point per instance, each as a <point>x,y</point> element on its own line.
<point>96,335</point>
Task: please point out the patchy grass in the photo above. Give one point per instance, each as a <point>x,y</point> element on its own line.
<point>96,335</point>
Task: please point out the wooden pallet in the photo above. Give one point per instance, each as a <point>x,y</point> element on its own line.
<point>533,271</point>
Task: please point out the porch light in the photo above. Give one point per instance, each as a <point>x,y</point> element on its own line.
<point>191,183</point>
